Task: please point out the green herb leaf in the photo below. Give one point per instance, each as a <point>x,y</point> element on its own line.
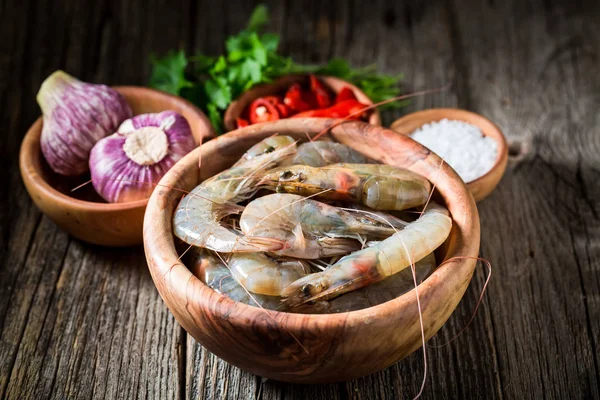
<point>250,70</point>
<point>218,92</point>
<point>220,65</point>
<point>168,73</point>
<point>270,41</point>
<point>202,63</point>
<point>214,117</point>
<point>259,53</point>
<point>258,19</point>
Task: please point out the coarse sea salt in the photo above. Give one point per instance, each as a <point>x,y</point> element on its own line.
<point>462,145</point>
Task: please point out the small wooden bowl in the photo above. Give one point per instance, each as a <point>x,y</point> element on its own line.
<point>334,347</point>
<point>482,186</point>
<point>280,85</point>
<point>83,213</point>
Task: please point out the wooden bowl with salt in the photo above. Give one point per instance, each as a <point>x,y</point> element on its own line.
<point>83,213</point>
<point>300,347</point>
<point>485,184</point>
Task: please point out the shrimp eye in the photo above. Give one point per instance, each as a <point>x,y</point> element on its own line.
<point>306,289</point>
<point>269,149</point>
<point>286,175</point>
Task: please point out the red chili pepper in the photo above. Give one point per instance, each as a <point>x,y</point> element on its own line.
<point>299,100</point>
<point>345,94</point>
<point>262,110</point>
<point>339,110</point>
<point>272,99</point>
<point>284,111</point>
<point>241,122</point>
<point>320,92</point>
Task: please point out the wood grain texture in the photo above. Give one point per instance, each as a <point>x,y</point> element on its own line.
<point>531,67</point>
<point>75,321</point>
<point>531,74</point>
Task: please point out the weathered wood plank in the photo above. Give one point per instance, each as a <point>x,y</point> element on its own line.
<point>76,321</point>
<point>97,328</point>
<point>530,68</point>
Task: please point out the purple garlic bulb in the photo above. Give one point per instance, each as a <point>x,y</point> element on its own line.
<point>127,165</point>
<point>76,116</point>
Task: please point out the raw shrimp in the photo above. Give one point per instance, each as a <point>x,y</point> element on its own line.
<point>198,215</point>
<point>320,153</point>
<point>311,229</point>
<point>266,275</point>
<point>211,270</point>
<point>378,186</point>
<point>384,290</point>
<point>266,146</point>
<point>373,264</point>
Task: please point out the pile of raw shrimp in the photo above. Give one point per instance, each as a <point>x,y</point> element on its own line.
<point>340,233</point>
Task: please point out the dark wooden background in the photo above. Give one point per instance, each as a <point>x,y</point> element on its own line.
<point>86,322</point>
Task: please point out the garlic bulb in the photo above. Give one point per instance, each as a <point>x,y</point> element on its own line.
<point>125,166</point>
<point>76,115</point>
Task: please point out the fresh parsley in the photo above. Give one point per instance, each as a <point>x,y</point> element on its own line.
<point>251,57</point>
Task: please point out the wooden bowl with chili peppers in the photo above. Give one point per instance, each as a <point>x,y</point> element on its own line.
<point>299,96</point>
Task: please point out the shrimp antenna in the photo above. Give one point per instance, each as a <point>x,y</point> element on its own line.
<point>414,275</point>
<point>479,301</point>
<point>432,187</point>
<point>372,106</point>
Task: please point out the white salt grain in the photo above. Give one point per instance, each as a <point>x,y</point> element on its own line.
<point>462,145</point>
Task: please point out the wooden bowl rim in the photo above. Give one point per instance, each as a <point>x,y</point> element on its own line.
<point>479,120</point>
<point>248,96</point>
<point>30,165</point>
<point>182,279</point>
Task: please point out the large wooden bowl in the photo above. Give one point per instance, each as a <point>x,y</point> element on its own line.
<point>485,184</point>
<point>280,85</point>
<point>334,347</point>
<point>83,213</point>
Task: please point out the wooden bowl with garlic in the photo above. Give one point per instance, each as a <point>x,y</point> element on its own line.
<point>300,347</point>
<point>107,209</point>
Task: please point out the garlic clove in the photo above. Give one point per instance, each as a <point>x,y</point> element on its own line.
<point>127,165</point>
<point>76,115</point>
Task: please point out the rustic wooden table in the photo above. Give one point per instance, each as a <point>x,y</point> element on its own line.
<point>83,321</point>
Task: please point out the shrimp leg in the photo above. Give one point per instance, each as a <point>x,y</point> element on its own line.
<point>373,264</point>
